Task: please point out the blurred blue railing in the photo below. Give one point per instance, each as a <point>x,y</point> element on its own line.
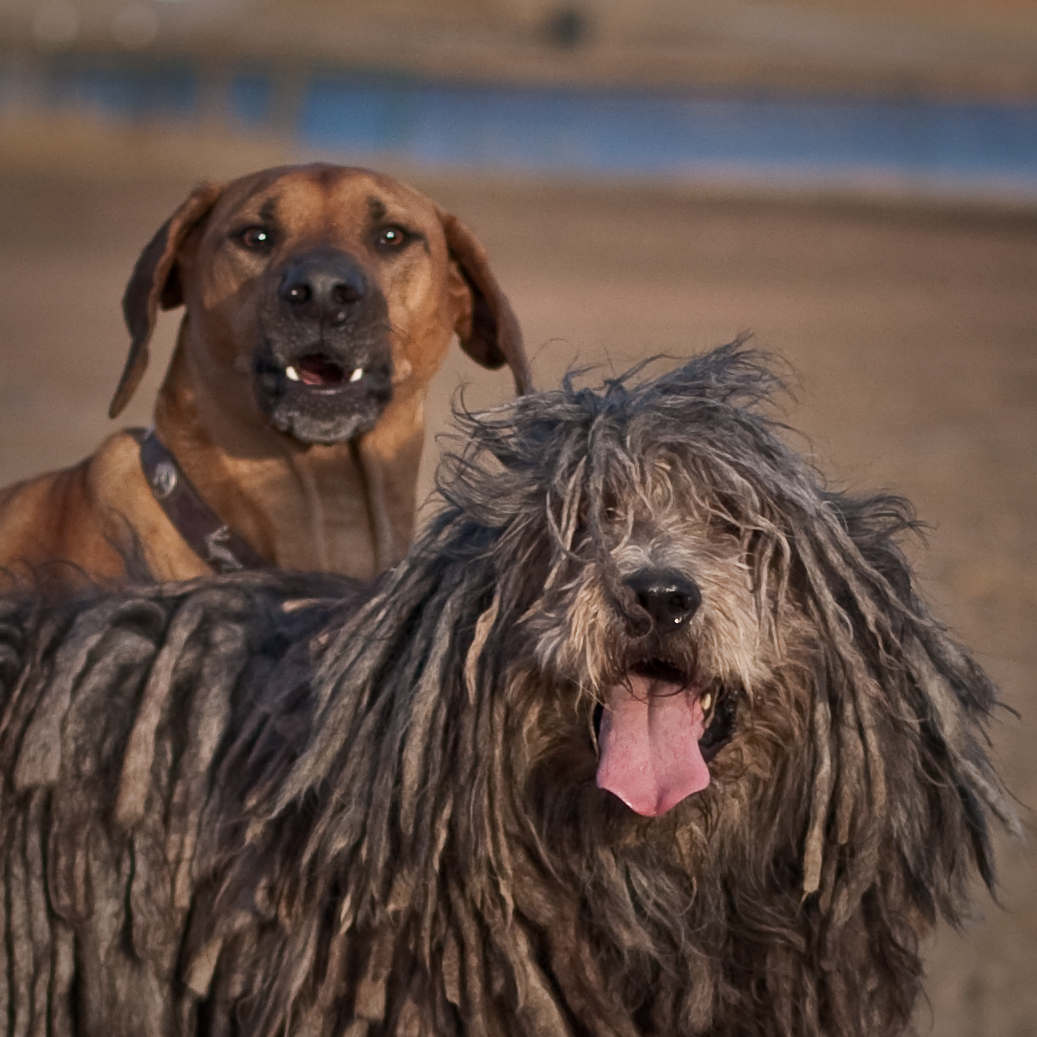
<point>974,148</point>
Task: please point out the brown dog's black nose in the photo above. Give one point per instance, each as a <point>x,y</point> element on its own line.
<point>668,596</point>
<point>323,286</point>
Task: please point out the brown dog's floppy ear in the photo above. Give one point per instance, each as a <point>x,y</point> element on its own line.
<point>155,282</point>
<point>489,331</point>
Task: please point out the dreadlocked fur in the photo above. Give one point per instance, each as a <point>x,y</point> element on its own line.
<point>237,806</point>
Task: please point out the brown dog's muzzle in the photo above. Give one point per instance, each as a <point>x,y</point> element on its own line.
<point>324,366</point>
<point>325,286</point>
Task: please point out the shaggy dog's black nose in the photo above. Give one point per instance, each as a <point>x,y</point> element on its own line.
<point>323,285</point>
<point>669,597</point>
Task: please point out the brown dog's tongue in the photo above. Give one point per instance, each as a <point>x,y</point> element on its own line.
<point>648,744</point>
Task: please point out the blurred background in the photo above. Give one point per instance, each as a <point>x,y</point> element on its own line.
<point>854,181</point>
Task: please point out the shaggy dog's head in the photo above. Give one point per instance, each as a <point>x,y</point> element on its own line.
<point>679,584</point>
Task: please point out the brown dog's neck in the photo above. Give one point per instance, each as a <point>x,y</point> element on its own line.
<point>341,507</point>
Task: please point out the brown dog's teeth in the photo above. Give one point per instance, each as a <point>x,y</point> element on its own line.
<point>707,702</point>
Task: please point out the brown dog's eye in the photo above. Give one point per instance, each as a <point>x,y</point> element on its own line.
<point>392,237</point>
<point>256,239</point>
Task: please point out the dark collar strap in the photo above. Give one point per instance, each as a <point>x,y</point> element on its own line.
<point>207,535</point>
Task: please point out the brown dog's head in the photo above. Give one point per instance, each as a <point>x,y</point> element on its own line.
<point>331,289</point>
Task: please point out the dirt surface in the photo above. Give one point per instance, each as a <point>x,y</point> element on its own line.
<point>914,337</point>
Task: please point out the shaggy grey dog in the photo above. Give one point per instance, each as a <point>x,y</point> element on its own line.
<point>649,734</point>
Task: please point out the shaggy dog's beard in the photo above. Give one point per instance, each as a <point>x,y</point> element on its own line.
<point>660,894</point>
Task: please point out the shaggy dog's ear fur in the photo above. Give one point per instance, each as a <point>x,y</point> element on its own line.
<point>901,785</point>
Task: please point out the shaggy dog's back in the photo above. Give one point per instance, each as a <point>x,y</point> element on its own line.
<point>115,714</point>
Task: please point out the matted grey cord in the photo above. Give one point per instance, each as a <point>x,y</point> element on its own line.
<point>364,814</point>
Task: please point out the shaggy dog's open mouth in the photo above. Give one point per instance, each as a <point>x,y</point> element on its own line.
<point>657,731</point>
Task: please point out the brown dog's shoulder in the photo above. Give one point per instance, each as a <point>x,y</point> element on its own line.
<point>46,520</point>
<point>90,518</point>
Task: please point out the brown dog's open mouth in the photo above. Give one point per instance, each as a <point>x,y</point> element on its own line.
<point>318,371</point>
<point>322,397</point>
<point>657,731</point>
<point>322,373</point>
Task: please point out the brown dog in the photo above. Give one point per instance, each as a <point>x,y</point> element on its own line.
<point>319,302</point>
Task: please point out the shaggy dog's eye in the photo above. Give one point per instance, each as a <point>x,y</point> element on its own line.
<point>255,239</point>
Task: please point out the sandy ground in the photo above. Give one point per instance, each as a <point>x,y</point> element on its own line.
<point>914,336</point>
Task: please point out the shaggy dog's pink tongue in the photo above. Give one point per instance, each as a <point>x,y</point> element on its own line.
<point>648,744</point>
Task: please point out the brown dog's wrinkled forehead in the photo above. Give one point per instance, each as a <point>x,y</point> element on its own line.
<point>318,199</point>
